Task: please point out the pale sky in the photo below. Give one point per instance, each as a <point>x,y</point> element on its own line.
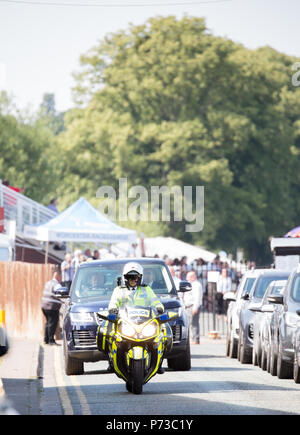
<point>40,44</point>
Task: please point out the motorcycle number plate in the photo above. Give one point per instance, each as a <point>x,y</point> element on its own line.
<point>137,352</point>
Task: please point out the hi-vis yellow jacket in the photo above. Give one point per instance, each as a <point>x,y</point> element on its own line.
<point>143,296</point>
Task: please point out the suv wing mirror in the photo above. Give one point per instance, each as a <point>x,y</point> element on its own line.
<point>185,286</point>
<point>246,297</point>
<point>62,292</point>
<point>276,299</point>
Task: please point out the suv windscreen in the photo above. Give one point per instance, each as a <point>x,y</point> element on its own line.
<point>295,293</point>
<point>263,282</point>
<point>99,281</point>
<point>248,285</point>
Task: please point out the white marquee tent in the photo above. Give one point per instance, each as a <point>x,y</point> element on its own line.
<point>171,247</point>
<point>81,222</point>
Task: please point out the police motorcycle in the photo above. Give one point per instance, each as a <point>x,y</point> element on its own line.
<point>136,338</point>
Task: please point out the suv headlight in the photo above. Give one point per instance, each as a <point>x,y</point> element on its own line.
<point>82,317</point>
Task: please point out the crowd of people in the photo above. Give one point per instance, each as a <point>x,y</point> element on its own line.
<point>226,274</point>
<point>198,272</point>
<point>226,277</point>
<point>209,282</point>
<point>71,262</point>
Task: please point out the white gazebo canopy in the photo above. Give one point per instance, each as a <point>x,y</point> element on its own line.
<point>81,222</point>
<point>171,247</point>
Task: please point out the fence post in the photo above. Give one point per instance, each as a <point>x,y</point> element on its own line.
<point>213,278</point>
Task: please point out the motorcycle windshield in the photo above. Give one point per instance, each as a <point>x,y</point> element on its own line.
<point>137,314</point>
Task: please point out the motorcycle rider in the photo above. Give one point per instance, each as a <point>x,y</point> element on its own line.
<point>134,293</point>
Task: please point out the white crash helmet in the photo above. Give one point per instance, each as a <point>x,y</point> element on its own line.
<point>132,269</point>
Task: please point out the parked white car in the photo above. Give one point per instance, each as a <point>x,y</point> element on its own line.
<point>236,300</point>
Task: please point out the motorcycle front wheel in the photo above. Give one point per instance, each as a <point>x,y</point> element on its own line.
<point>137,372</point>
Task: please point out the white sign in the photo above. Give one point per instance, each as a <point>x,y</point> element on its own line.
<point>287,262</point>
<point>213,276</point>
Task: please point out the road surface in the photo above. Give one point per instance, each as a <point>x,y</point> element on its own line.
<point>216,384</point>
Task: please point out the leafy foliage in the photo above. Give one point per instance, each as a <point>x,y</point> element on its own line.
<point>168,103</point>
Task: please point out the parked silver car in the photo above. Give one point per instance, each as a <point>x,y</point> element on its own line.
<point>284,323</point>
<point>296,368</point>
<point>234,308</point>
<point>246,318</point>
<point>261,324</point>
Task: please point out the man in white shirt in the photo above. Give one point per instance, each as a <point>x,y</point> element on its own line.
<point>193,302</point>
<point>175,278</point>
<point>68,270</point>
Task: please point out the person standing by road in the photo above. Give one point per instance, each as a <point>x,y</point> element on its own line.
<point>193,301</point>
<point>68,270</point>
<point>175,278</point>
<point>51,305</point>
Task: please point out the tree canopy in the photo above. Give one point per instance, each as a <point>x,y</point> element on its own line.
<point>168,103</point>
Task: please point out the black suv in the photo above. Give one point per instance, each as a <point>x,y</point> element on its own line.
<point>91,291</point>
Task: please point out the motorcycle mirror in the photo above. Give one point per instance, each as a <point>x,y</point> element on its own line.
<point>112,318</point>
<point>165,317</point>
<point>173,315</point>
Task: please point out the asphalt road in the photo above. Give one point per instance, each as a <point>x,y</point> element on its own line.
<point>215,385</point>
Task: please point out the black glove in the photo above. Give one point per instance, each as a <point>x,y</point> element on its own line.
<point>160,310</point>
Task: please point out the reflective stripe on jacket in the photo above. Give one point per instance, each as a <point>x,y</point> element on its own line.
<point>49,300</point>
<point>143,296</point>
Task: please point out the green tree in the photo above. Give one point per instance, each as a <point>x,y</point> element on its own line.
<point>168,103</point>
<point>52,119</point>
<point>26,153</point>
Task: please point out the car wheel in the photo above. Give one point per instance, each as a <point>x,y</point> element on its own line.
<point>245,355</point>
<point>268,357</point>
<point>255,361</point>
<point>273,359</point>
<point>284,370</point>
<point>296,370</point>
<point>181,362</point>
<point>228,342</point>
<point>233,351</point>
<point>263,361</point>
<point>72,366</point>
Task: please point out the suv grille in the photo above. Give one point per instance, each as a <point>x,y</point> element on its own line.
<point>176,330</point>
<point>84,338</point>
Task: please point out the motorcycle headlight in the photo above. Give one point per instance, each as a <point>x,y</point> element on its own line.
<point>149,330</point>
<point>82,317</point>
<point>127,329</point>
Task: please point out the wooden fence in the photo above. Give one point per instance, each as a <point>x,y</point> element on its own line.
<point>21,287</point>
